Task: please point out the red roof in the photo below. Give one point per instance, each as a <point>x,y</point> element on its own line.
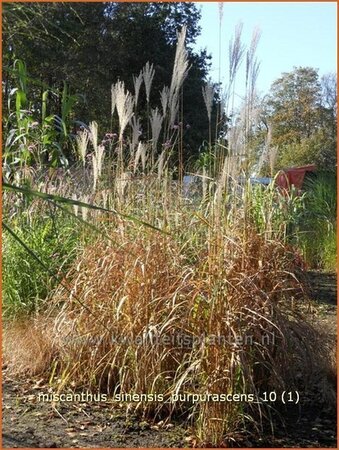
<point>294,175</point>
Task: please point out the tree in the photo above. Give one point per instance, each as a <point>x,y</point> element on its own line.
<point>300,111</point>
<point>293,104</point>
<point>329,103</point>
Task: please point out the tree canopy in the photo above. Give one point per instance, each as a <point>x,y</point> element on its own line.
<point>301,113</point>
<point>92,45</point>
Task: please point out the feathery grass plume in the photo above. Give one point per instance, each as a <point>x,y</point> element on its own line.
<point>95,172</point>
<point>136,131</point>
<point>180,71</point>
<point>208,95</point>
<point>254,77</point>
<point>230,172</point>
<point>236,136</point>
<point>124,105</point>
<point>161,164</point>
<point>113,98</point>
<point>93,135</point>
<point>82,139</point>
<point>252,71</point>
<point>98,159</point>
<point>252,66</point>
<point>148,75</point>
<point>219,111</point>
<point>156,122</point>
<point>93,128</point>
<point>121,184</point>
<point>141,149</point>
<point>236,52</point>
<point>137,81</point>
<point>164,95</point>
<point>144,157</point>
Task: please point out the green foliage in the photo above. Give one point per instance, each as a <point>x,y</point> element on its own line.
<point>306,221</point>
<point>318,149</point>
<point>294,102</point>
<point>26,282</point>
<point>273,212</point>
<point>317,234</point>
<point>31,136</point>
<point>301,114</point>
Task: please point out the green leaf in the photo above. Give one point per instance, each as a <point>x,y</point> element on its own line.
<point>20,101</point>
<point>44,105</point>
<point>39,260</point>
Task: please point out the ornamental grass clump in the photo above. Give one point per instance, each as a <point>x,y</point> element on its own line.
<point>159,318</point>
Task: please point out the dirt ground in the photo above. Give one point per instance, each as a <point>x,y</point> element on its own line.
<point>30,423</point>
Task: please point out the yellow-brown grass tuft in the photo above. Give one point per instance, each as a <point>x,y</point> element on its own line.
<point>27,348</point>
<point>144,317</point>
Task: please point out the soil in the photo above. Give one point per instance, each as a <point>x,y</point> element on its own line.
<point>30,423</point>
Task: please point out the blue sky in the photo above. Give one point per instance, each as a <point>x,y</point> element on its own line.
<point>293,34</point>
